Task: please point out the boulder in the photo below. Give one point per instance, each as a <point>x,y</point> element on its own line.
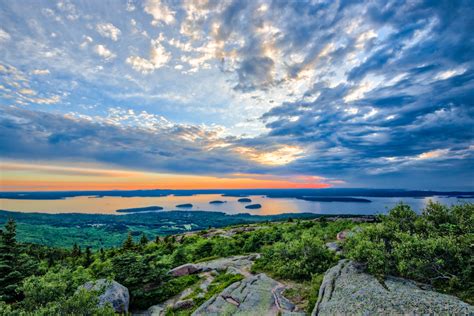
<point>342,235</point>
<point>334,246</point>
<point>156,310</point>
<point>347,289</point>
<point>112,292</point>
<point>183,304</point>
<point>185,269</point>
<point>254,295</point>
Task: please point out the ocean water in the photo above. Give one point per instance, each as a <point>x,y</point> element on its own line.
<point>108,204</point>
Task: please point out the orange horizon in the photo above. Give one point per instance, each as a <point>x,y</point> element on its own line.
<point>6,186</point>
<point>18,177</point>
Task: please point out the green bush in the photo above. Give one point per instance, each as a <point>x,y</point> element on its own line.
<point>296,259</point>
<point>435,247</point>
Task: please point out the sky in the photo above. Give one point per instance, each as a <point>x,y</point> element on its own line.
<point>236,94</point>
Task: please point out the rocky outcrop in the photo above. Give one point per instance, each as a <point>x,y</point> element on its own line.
<point>219,232</point>
<point>255,295</point>
<point>207,271</point>
<point>234,264</point>
<point>185,269</point>
<point>112,292</point>
<point>347,290</point>
<point>183,304</point>
<point>181,300</point>
<point>342,235</point>
<point>334,246</point>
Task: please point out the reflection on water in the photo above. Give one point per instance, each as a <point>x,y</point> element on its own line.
<point>108,205</point>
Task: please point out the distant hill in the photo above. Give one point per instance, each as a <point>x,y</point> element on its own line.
<point>275,193</point>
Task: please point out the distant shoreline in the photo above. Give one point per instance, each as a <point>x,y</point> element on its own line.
<point>271,193</point>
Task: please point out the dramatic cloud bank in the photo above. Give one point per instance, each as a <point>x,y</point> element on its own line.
<point>360,94</point>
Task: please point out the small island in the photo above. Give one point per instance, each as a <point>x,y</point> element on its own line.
<point>244,200</point>
<point>140,209</point>
<point>253,206</point>
<point>217,202</point>
<point>187,205</point>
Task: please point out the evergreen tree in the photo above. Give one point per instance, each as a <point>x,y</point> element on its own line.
<point>10,277</point>
<point>76,251</point>
<point>179,256</point>
<point>143,240</point>
<point>128,243</point>
<point>88,257</point>
<point>102,254</point>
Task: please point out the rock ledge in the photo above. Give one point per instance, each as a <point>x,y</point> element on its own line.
<point>347,290</point>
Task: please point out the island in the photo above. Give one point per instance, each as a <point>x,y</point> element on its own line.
<point>244,200</point>
<point>140,209</point>
<point>217,202</point>
<point>187,205</point>
<point>465,197</point>
<point>253,206</point>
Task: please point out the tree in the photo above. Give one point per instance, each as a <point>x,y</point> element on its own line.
<point>203,249</point>
<point>88,257</point>
<point>128,243</point>
<point>179,257</point>
<point>102,254</point>
<point>143,240</point>
<point>76,251</point>
<point>10,277</point>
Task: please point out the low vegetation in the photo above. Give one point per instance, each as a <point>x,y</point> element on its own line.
<point>434,247</point>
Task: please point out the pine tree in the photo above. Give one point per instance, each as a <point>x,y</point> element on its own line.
<point>88,257</point>
<point>128,243</point>
<point>102,254</point>
<point>179,256</point>
<point>143,240</point>
<point>10,277</point>
<point>76,251</point>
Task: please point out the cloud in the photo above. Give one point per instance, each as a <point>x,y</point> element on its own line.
<point>255,73</point>
<point>371,92</point>
<point>282,155</point>
<point>40,72</point>
<point>37,135</point>
<point>158,58</point>
<point>104,52</point>
<point>159,11</point>
<point>108,30</point>
<point>17,87</point>
<point>130,139</point>
<point>69,9</point>
<point>4,36</point>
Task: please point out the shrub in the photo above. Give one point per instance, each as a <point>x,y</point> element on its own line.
<point>296,259</point>
<point>435,247</point>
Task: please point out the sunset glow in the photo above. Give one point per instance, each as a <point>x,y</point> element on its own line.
<point>38,177</point>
